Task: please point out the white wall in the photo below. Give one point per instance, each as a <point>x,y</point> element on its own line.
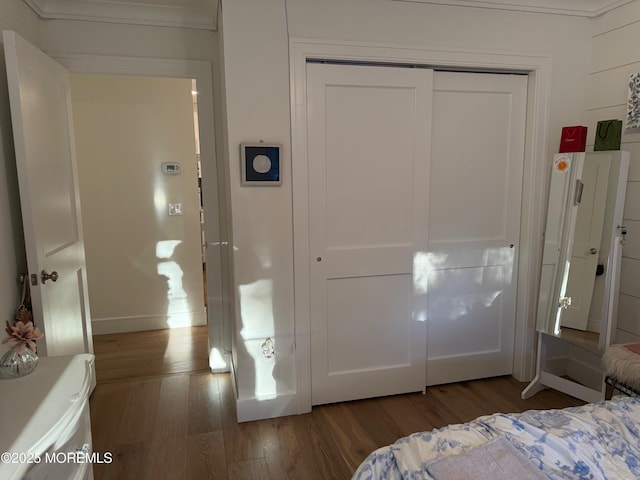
<point>144,267</point>
<point>13,16</point>
<point>256,80</point>
<point>95,38</point>
<point>615,57</point>
<point>255,38</point>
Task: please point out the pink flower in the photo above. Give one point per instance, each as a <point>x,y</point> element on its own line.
<point>22,335</point>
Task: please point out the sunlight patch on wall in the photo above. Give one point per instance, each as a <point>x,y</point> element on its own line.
<point>160,199</point>
<point>217,361</point>
<point>454,291</point>
<point>166,248</point>
<point>178,306</point>
<point>256,310</point>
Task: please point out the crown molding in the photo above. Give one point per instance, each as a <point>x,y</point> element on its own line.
<point>578,8</point>
<point>136,13</point>
<point>206,17</point>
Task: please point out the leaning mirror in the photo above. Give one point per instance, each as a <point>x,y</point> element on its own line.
<point>581,255</point>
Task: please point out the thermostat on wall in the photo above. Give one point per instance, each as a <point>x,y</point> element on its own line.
<point>260,164</point>
<point>172,168</point>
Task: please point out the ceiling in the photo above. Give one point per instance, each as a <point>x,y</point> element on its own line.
<point>203,14</point>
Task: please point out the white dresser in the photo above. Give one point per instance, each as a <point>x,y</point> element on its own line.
<point>45,429</point>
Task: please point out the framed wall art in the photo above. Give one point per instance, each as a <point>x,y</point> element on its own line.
<point>260,164</point>
<point>633,102</point>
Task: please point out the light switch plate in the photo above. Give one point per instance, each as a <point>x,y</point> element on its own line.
<point>175,209</point>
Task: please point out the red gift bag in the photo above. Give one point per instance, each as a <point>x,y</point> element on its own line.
<point>573,139</point>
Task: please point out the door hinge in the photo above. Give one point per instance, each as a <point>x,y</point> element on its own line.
<point>578,197</point>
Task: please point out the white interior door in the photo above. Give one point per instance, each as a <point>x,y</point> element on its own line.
<point>587,237</point>
<point>368,154</point>
<point>474,224</point>
<point>45,155</point>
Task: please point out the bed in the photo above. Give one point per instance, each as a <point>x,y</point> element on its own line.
<point>594,441</point>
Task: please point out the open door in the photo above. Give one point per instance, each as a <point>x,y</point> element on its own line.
<point>585,249</point>
<point>39,95</point>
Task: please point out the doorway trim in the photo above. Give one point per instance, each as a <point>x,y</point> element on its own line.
<point>538,69</point>
<point>201,71</point>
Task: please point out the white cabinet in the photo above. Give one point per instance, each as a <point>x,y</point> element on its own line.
<point>46,428</point>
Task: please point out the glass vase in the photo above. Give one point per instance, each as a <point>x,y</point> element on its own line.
<point>14,365</point>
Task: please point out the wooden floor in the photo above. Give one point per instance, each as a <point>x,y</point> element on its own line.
<point>162,415</point>
<point>151,354</point>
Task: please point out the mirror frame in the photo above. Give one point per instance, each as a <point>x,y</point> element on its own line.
<point>562,212</point>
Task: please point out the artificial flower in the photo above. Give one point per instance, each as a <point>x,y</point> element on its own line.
<point>23,334</point>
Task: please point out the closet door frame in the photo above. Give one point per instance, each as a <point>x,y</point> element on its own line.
<point>538,70</point>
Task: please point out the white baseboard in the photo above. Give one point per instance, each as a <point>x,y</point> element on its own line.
<point>579,369</point>
<point>593,325</point>
<point>586,373</point>
<point>142,323</point>
<point>625,337</point>
<point>250,409</point>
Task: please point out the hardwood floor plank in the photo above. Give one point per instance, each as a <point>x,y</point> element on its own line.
<point>129,462</point>
<point>435,409</point>
<point>282,450</point>
<point>319,449</point>
<point>406,412</point>
<point>458,398</point>
<point>206,458</point>
<point>249,470</point>
<point>168,452</point>
<point>107,406</point>
<point>352,439</point>
<point>491,392</point>
<point>242,440</point>
<point>205,406</point>
<point>139,414</point>
<point>376,421</point>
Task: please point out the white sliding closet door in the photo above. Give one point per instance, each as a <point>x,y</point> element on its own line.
<point>368,153</point>
<point>415,183</point>
<point>474,224</point>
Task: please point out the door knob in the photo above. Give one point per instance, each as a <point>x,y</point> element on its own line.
<point>53,276</point>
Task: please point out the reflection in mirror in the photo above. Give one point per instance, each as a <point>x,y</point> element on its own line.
<point>584,222</point>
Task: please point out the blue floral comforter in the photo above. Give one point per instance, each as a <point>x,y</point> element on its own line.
<point>594,441</point>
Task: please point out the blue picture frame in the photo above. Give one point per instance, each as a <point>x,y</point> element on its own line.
<point>260,164</point>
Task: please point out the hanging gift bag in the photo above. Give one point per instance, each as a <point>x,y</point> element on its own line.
<point>608,135</point>
<point>573,139</point>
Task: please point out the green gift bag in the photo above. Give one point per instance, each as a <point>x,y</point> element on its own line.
<point>608,134</point>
